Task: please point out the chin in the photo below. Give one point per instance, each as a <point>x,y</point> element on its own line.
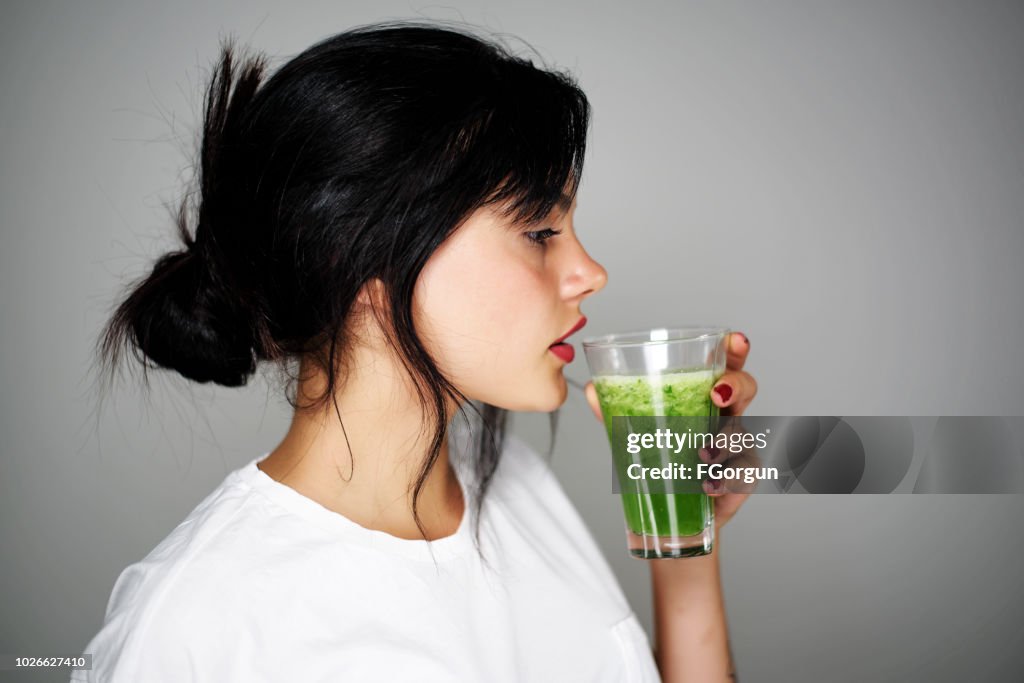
<point>541,392</point>
<point>543,397</point>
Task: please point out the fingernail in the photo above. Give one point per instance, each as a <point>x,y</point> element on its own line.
<point>713,452</point>
<point>745,340</point>
<point>724,392</point>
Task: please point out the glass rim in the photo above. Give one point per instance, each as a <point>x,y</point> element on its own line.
<point>621,339</point>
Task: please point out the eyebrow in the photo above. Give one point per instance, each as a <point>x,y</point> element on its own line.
<point>563,204</point>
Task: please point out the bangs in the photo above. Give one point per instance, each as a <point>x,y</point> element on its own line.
<point>526,150</point>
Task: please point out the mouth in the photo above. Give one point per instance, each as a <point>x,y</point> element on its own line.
<point>561,349</point>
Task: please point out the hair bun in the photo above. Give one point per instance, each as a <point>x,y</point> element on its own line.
<point>185,321</point>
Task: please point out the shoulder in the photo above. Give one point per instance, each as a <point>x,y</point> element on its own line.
<point>171,613</point>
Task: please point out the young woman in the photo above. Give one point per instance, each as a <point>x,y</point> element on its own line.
<point>388,218</point>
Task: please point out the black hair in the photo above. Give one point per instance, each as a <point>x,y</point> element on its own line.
<point>355,160</point>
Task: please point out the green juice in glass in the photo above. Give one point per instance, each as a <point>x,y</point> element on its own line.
<point>671,393</point>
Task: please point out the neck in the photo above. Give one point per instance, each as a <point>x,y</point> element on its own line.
<point>367,470</point>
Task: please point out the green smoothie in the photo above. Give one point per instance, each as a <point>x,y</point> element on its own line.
<point>677,393</point>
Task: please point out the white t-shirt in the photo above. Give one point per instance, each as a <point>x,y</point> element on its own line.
<point>260,583</point>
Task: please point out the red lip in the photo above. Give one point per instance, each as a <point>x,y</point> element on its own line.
<point>563,351</point>
<point>582,321</point>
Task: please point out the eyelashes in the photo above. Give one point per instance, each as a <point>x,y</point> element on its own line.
<point>539,237</point>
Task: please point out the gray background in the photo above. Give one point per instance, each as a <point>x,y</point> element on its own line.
<point>841,181</point>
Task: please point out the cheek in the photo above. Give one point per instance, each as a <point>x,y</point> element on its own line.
<point>484,314</point>
<point>510,301</point>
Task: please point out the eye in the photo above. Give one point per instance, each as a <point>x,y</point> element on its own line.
<point>541,236</point>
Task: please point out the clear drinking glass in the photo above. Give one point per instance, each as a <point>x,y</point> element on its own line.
<point>660,372</point>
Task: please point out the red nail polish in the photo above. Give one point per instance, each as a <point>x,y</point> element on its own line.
<point>745,340</point>
<point>724,392</point>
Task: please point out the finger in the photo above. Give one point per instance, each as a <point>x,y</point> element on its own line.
<point>591,393</point>
<point>726,485</point>
<point>734,449</point>
<point>727,504</point>
<point>748,457</point>
<point>738,460</point>
<point>716,488</point>
<point>740,407</point>
<point>739,347</point>
<point>734,390</point>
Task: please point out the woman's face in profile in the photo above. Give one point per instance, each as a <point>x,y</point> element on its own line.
<point>490,302</point>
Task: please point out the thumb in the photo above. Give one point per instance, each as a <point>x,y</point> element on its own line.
<point>591,393</point>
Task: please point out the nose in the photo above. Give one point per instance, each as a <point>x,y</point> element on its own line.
<point>586,276</point>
